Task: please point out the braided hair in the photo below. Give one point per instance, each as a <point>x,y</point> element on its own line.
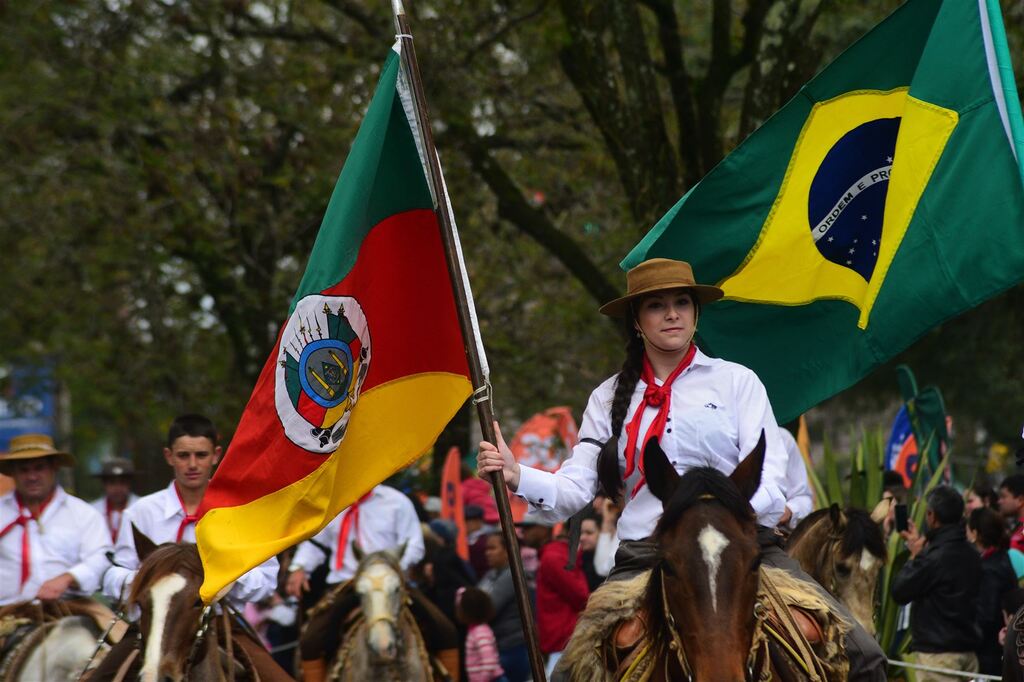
<point>608,472</point>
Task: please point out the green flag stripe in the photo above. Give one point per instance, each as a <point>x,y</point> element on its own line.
<point>382,177</point>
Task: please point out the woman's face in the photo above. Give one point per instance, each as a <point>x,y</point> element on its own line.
<point>588,535</point>
<point>972,502</point>
<point>667,319</point>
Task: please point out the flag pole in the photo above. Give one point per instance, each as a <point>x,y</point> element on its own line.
<point>478,376</point>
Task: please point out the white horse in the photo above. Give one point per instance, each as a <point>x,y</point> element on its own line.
<point>55,651</point>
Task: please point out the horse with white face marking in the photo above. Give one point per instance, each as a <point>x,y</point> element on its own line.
<point>384,642</point>
<point>844,551</point>
<point>55,650</point>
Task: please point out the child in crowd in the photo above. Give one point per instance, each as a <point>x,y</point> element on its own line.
<point>474,610</point>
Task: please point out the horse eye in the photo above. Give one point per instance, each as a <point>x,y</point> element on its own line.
<point>668,570</point>
<point>843,569</point>
<point>755,565</point>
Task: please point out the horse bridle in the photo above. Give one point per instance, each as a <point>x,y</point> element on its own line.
<point>758,645</point>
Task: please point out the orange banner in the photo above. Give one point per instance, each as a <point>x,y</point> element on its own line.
<point>451,499</point>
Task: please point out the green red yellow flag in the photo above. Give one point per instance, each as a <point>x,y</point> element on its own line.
<point>883,199</point>
<point>368,368</point>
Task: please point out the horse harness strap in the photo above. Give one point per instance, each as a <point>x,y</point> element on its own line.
<point>791,638</point>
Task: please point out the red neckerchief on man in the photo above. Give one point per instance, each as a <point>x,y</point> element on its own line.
<point>656,396</point>
<point>114,520</point>
<point>348,524</point>
<point>24,516</point>
<point>189,518</point>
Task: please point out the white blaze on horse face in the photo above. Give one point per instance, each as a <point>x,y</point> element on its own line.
<point>867,560</point>
<point>712,544</point>
<point>160,600</point>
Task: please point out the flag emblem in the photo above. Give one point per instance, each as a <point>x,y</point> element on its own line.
<point>846,202</point>
<point>325,354</point>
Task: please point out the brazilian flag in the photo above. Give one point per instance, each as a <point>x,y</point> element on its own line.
<point>883,199</point>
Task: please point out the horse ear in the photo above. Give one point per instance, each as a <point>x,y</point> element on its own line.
<point>357,551</point>
<point>143,545</point>
<point>838,517</point>
<point>747,476</point>
<point>881,509</point>
<point>399,552</point>
<point>661,476</point>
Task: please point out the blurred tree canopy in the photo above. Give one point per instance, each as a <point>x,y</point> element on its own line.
<point>166,164</point>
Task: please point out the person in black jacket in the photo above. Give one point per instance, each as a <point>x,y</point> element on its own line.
<point>940,581</point>
<point>986,530</point>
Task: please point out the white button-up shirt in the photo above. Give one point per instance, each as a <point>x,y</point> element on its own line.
<point>70,537</point>
<point>798,488</point>
<point>718,411</point>
<point>158,516</point>
<point>387,520</point>
<point>116,518</point>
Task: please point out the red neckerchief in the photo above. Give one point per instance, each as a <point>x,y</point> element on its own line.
<point>657,396</point>
<point>189,518</point>
<point>24,516</point>
<point>351,520</point>
<point>114,527</point>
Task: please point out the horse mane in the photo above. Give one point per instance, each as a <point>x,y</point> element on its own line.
<point>861,532</point>
<point>165,559</point>
<point>695,486</point>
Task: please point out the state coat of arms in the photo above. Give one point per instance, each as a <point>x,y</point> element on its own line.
<point>325,355</point>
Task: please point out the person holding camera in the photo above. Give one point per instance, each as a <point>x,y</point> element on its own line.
<point>940,581</point>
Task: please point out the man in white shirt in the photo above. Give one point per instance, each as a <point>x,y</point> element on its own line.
<point>799,499</point>
<point>116,475</point>
<point>169,515</point>
<point>52,544</point>
<point>383,519</point>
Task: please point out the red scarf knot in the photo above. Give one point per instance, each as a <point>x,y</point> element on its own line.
<point>654,396</point>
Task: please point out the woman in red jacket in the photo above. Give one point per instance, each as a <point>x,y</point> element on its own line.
<point>561,597</point>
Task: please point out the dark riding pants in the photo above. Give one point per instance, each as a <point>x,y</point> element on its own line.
<point>867,661</point>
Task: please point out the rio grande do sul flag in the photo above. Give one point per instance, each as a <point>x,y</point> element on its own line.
<point>883,199</point>
<point>368,368</point>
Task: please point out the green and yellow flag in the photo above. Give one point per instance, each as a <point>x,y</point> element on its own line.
<point>883,199</point>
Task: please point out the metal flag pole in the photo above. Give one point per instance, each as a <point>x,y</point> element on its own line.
<point>470,334</point>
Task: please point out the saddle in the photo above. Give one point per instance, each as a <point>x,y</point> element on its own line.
<point>611,642</point>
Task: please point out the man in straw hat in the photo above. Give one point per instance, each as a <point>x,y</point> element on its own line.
<point>117,475</point>
<point>51,543</point>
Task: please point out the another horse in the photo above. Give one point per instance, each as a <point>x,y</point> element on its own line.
<point>47,645</point>
<point>383,641</point>
<point>844,551</point>
<point>709,610</point>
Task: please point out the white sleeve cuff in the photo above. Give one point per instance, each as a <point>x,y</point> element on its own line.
<point>768,504</point>
<point>537,487</point>
<point>85,577</point>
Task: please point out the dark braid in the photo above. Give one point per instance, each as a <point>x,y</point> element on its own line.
<point>608,459</point>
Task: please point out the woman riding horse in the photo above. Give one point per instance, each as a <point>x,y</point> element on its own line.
<point>702,410</point>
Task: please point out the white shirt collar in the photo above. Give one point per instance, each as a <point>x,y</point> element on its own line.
<point>172,505</point>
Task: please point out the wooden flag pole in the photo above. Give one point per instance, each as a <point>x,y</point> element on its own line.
<point>481,386</point>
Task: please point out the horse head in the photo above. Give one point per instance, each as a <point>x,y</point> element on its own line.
<point>703,592</point>
<point>166,590</point>
<point>844,550</point>
<point>381,588</point>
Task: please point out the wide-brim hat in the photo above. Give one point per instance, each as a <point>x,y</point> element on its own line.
<point>33,446</point>
<point>116,467</point>
<point>660,274</point>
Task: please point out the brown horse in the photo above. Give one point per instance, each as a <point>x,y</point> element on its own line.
<point>711,612</point>
<point>844,551</point>
<point>179,637</point>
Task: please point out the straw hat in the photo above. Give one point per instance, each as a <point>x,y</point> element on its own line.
<point>32,446</point>
<point>659,274</point>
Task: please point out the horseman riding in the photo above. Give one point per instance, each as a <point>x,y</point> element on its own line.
<point>169,516</point>
<point>700,411</point>
<point>52,554</point>
<point>383,521</point>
